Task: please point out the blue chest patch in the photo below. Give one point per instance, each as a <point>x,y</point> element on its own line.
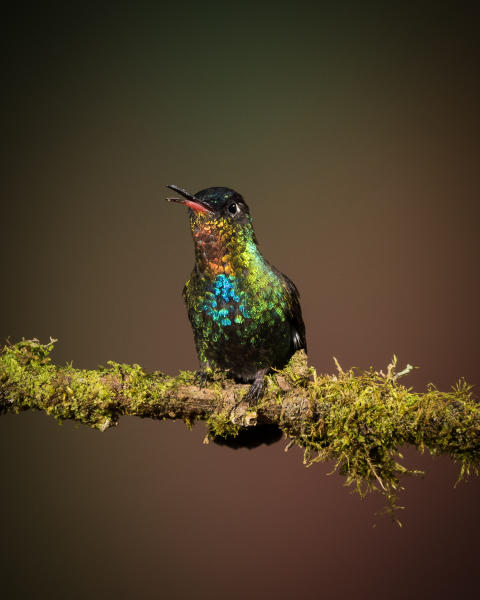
<point>225,288</point>
<point>224,301</point>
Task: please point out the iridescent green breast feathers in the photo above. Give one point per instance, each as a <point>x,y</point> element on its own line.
<point>245,314</point>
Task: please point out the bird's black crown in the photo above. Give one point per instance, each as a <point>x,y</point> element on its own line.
<point>220,197</point>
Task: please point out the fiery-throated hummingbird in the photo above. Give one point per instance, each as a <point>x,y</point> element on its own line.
<point>245,314</point>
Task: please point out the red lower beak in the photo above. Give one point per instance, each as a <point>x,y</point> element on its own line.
<point>193,204</point>
<point>190,200</point>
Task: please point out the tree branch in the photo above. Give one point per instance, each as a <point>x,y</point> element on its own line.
<point>358,418</point>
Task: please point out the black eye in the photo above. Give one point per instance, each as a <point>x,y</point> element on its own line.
<point>233,209</point>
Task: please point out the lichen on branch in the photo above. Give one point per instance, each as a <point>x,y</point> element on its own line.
<point>358,419</point>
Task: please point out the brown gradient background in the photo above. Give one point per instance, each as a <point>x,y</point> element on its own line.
<point>354,136</point>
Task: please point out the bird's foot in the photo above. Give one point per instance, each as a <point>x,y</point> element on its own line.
<point>256,389</point>
<point>202,377</point>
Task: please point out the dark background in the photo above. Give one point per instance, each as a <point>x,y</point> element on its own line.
<point>353,134</point>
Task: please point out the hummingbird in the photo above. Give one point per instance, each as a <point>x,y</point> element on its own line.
<point>245,314</point>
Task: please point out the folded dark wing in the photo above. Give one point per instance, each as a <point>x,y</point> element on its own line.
<point>299,340</point>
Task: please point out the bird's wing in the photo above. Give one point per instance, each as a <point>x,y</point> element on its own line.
<point>190,292</point>
<point>299,340</point>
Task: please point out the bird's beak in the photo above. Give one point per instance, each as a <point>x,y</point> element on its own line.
<point>190,201</point>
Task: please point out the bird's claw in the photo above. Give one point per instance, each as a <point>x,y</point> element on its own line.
<point>256,390</point>
<point>201,378</point>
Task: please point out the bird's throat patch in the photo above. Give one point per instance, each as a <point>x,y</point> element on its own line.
<point>212,240</point>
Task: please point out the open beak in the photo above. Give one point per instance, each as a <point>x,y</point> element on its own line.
<point>190,200</point>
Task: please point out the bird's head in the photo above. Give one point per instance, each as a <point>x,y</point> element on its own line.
<point>222,229</point>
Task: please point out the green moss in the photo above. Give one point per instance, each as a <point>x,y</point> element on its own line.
<point>358,419</point>
<point>361,419</point>
<point>220,425</point>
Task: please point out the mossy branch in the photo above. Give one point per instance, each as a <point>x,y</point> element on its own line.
<point>359,419</point>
